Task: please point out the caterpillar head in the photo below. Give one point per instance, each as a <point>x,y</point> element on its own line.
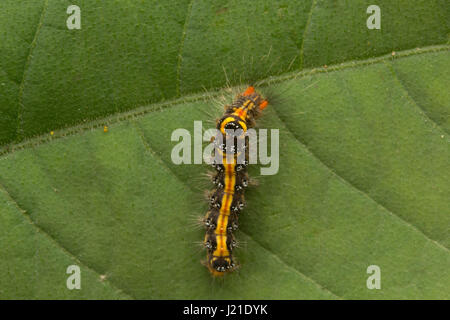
<point>218,266</point>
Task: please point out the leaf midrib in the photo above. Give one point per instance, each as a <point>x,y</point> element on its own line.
<point>143,110</point>
<point>19,131</point>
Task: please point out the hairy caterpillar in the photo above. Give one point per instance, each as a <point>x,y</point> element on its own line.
<point>230,179</point>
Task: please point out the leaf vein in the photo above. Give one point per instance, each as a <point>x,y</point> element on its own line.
<point>26,67</point>
<point>180,52</point>
<point>308,22</point>
<point>362,192</point>
<point>140,111</point>
<point>40,230</point>
<point>420,109</point>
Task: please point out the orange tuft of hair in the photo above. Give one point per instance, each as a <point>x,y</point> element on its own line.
<point>263,104</point>
<point>249,91</point>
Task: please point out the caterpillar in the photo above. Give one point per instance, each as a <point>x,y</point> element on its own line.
<point>230,180</point>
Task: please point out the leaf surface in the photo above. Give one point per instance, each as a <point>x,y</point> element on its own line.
<point>364,150</point>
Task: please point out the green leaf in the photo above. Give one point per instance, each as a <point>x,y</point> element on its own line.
<point>364,149</point>
<point>131,53</point>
